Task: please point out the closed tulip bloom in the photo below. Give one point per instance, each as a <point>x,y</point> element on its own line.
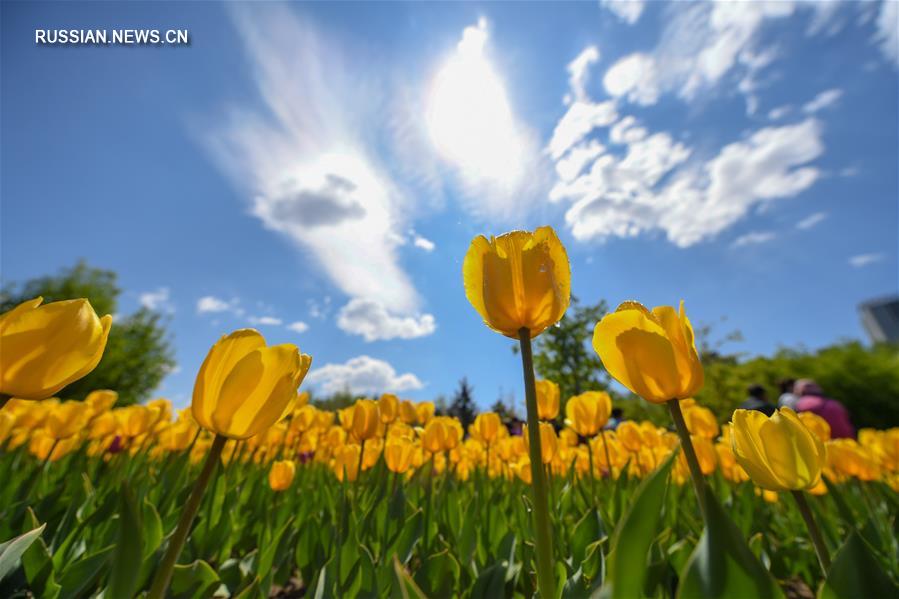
<point>398,454</point>
<point>66,419</point>
<point>629,435</point>
<point>389,407</point>
<point>7,423</point>
<point>281,475</point>
<point>518,280</point>
<point>101,400</point>
<point>408,413</point>
<point>245,386</point>
<point>778,453</point>
<point>549,442</point>
<point>652,353</point>
<point>366,419</point>
<point>701,421</point>
<point>346,462</point>
<point>47,347</point>
<point>424,412</point>
<point>816,424</point>
<point>588,412</point>
<point>486,427</point>
<point>547,400</point>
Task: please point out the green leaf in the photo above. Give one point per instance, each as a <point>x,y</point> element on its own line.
<point>856,572</point>
<point>79,577</point>
<point>126,561</point>
<point>12,550</point>
<point>491,582</point>
<point>407,587</point>
<point>634,534</point>
<point>195,581</point>
<point>722,565</point>
<point>152,529</point>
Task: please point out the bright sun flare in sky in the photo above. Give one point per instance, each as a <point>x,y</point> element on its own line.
<point>469,118</point>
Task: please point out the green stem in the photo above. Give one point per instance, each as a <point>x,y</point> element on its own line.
<point>605,446</point>
<point>689,454</point>
<point>592,471</point>
<point>814,531</point>
<point>546,581</point>
<point>176,543</point>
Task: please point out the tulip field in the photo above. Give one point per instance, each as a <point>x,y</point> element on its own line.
<point>254,491</point>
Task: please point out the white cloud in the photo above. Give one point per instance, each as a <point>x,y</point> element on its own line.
<point>823,100</point>
<point>157,300</point>
<point>863,260</point>
<point>362,375</point>
<point>373,321</point>
<point>656,186</point>
<point>887,36</point>
<point>298,327</point>
<point>473,126</point>
<point>811,220</point>
<point>581,118</point>
<point>423,243</point>
<point>579,70</point>
<point>313,159</point>
<point>775,114</point>
<point>319,310</point>
<point>268,321</point>
<point>212,304</point>
<point>628,11</point>
<point>634,77</point>
<point>753,238</point>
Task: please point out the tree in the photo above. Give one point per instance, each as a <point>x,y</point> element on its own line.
<point>138,352</point>
<point>463,406</point>
<point>564,353</point>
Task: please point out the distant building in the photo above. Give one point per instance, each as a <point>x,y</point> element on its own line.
<point>880,317</point>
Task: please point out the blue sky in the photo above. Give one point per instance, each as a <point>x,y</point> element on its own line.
<point>318,170</point>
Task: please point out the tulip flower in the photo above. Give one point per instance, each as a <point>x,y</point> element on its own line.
<point>47,347</point>
<point>244,386</point>
<point>519,280</point>
<point>407,412</point>
<point>701,422</point>
<point>398,455</point>
<point>366,419</point>
<point>547,400</point>
<point>389,407</point>
<point>101,400</point>
<point>549,443</point>
<point>281,475</point>
<point>486,427</point>
<point>424,412</point>
<point>66,420</point>
<point>780,454</point>
<point>588,412</point>
<point>520,284</point>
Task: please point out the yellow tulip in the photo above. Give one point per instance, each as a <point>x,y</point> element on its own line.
<point>7,423</point>
<point>244,386</point>
<point>281,475</point>
<point>66,419</point>
<point>101,400</point>
<point>549,442</point>
<point>816,424</point>
<point>846,458</point>
<point>701,422</point>
<point>346,462</point>
<point>588,412</point>
<point>651,353</point>
<point>407,412</point>
<point>47,347</point>
<point>389,407</point>
<point>442,433</point>
<point>424,412</point>
<point>366,419</point>
<point>135,420</point>
<point>398,455</point>
<point>547,400</point>
<point>486,427</point>
<point>519,280</point>
<point>778,453</point>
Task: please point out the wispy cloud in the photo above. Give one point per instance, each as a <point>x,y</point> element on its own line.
<point>628,11</point>
<point>862,260</point>
<point>374,322</point>
<point>159,300</point>
<point>887,35</point>
<point>298,326</point>
<point>825,99</point>
<point>753,238</point>
<point>811,220</point>
<point>268,321</point>
<point>362,374</point>
<point>424,243</point>
<point>210,304</point>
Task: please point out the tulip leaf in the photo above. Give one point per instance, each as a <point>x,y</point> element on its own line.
<point>195,581</point>
<point>79,577</point>
<point>722,565</point>
<point>12,550</point>
<point>491,582</point>
<point>126,560</point>
<point>407,587</point>
<point>626,564</point>
<point>856,572</point>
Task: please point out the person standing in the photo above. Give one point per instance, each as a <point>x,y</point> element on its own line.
<point>758,400</point>
<point>787,398</point>
<point>812,399</point>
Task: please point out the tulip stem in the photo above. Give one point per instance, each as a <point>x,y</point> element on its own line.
<point>546,582</point>
<point>689,454</point>
<point>176,543</point>
<point>605,446</point>
<point>592,472</point>
<point>814,531</point>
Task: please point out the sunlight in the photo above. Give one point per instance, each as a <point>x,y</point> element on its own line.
<point>469,117</point>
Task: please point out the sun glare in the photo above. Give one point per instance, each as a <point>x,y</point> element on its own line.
<point>469,118</point>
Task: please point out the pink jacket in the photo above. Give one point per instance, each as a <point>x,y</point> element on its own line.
<point>830,410</point>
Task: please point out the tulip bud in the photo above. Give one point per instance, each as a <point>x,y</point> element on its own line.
<point>547,400</point>
<point>281,475</point>
<point>398,455</point>
<point>486,427</point>
<point>66,419</point>
<point>588,412</point>
<point>365,420</point>
<point>47,347</point>
<point>244,386</point>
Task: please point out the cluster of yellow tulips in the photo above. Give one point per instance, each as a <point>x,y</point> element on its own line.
<point>246,407</point>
